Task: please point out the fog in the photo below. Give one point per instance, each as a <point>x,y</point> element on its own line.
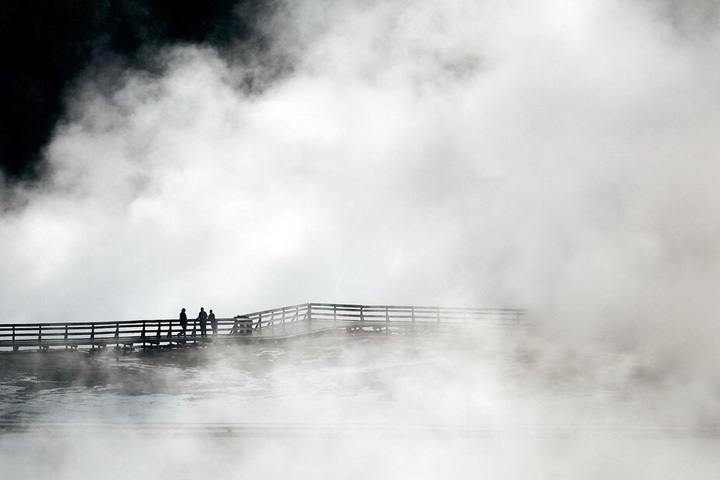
<point>424,405</point>
<point>559,157</point>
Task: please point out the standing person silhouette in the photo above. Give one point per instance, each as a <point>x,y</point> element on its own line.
<point>202,318</point>
<point>213,323</point>
<point>183,323</point>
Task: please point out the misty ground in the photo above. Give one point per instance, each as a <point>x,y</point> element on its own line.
<point>426,405</point>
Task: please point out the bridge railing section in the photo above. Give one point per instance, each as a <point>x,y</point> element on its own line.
<point>348,314</point>
<point>168,331</point>
<point>142,332</point>
<point>101,334</point>
<point>278,317</point>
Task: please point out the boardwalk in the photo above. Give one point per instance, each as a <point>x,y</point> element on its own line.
<point>267,325</point>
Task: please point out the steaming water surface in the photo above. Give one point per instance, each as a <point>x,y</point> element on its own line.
<point>436,404</point>
<point>237,384</point>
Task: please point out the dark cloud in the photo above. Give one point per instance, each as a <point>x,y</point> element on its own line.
<point>691,19</point>
<point>45,45</point>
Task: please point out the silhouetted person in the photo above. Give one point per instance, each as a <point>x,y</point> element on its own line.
<point>202,318</point>
<point>183,323</point>
<point>213,322</point>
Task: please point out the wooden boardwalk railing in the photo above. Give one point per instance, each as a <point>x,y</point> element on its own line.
<point>276,323</point>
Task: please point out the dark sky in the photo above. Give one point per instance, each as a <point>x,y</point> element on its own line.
<point>46,44</point>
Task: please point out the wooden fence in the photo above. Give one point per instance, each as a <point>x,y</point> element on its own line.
<point>266,324</point>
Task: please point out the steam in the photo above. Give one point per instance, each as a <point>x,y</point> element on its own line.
<point>418,405</point>
<point>557,156</point>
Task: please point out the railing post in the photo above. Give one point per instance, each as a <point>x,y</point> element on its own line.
<point>142,335</point>
<point>412,314</point>
<point>438,315</point>
<point>334,315</point>
<point>309,313</point>
<point>170,328</point>
<point>66,337</point>
<point>362,315</point>
<point>15,347</point>
<point>40,336</point>
<point>387,319</point>
<point>157,335</point>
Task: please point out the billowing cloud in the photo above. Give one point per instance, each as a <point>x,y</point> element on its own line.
<point>555,156</point>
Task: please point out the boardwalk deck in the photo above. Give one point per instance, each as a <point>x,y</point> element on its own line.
<point>268,325</point>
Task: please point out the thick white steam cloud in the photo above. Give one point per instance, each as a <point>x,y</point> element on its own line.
<point>559,156</point>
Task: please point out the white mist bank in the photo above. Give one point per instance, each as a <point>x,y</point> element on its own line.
<point>400,406</point>
<point>360,458</point>
<point>478,379</point>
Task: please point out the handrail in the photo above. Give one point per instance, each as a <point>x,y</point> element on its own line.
<point>423,314</point>
<point>417,307</point>
<point>168,331</point>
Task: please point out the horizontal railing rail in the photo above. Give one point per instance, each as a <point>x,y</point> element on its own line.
<point>399,314</point>
<point>277,321</point>
<point>104,333</point>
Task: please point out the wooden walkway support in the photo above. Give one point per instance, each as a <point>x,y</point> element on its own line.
<point>274,324</point>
